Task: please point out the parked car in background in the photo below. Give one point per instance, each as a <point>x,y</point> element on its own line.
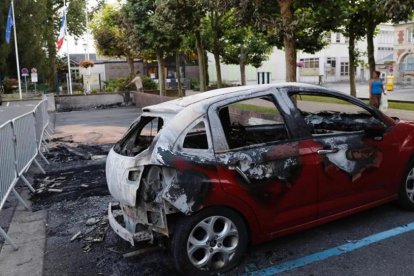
<point>215,172</point>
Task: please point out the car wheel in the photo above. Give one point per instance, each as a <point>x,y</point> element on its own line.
<point>406,192</point>
<point>209,242</point>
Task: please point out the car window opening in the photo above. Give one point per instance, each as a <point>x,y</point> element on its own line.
<point>330,122</point>
<point>251,122</point>
<point>139,136</point>
<point>196,138</point>
<point>342,116</point>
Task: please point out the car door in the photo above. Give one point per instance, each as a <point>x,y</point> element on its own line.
<point>261,161</point>
<point>355,157</point>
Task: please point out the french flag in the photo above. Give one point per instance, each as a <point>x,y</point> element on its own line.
<point>62,31</point>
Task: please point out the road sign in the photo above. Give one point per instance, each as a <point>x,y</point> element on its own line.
<point>25,72</point>
<point>33,76</point>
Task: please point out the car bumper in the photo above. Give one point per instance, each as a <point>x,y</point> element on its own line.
<point>121,231</point>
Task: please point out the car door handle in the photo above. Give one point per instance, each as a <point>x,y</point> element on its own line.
<point>327,151</point>
<point>235,167</point>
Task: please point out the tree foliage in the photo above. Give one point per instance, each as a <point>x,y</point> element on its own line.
<point>294,24</point>
<point>243,45</point>
<point>151,39</point>
<point>113,34</point>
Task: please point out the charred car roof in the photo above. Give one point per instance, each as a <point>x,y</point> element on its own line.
<point>206,98</point>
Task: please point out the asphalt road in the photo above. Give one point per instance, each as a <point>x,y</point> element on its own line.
<point>10,110</point>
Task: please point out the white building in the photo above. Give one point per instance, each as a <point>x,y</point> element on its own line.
<point>332,62</point>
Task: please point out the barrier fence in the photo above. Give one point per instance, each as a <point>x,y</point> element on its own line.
<point>21,141</point>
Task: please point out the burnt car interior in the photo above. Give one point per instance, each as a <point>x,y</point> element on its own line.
<point>196,138</point>
<point>251,122</point>
<point>320,121</point>
<point>139,136</point>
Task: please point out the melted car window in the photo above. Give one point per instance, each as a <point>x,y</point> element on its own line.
<point>140,136</point>
<point>327,114</point>
<point>196,138</point>
<point>251,122</point>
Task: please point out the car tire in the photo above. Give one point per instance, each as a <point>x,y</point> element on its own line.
<point>209,242</point>
<point>406,190</point>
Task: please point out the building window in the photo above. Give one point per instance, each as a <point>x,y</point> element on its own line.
<point>407,65</point>
<point>310,62</point>
<point>410,35</point>
<point>338,38</point>
<point>386,37</point>
<point>328,37</point>
<point>344,68</point>
<point>331,61</point>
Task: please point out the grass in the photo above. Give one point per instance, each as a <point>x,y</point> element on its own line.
<point>256,108</point>
<point>320,99</point>
<point>391,104</point>
<point>26,96</point>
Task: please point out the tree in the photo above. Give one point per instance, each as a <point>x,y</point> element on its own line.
<point>376,12</point>
<point>244,46</point>
<point>150,38</point>
<point>294,25</point>
<point>51,24</point>
<point>113,35</point>
<point>184,18</point>
<point>353,28</point>
<point>29,38</point>
<point>214,25</point>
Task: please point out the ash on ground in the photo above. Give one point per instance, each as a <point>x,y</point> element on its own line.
<point>79,239</point>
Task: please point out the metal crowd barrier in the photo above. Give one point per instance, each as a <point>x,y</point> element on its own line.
<point>21,141</point>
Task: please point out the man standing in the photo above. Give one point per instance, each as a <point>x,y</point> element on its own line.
<point>138,82</point>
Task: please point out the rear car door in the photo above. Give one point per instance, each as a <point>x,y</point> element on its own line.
<point>261,161</point>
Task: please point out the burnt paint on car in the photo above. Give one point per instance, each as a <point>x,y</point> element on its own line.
<point>263,165</point>
<point>354,155</point>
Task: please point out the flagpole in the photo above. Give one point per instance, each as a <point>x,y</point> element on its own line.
<point>17,52</point>
<point>67,49</point>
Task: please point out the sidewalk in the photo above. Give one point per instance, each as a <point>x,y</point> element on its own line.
<point>28,230</point>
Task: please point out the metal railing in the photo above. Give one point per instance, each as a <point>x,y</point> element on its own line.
<point>21,141</point>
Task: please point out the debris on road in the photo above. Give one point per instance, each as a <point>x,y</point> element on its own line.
<point>55,190</point>
<point>77,235</point>
<point>92,221</point>
<point>141,251</point>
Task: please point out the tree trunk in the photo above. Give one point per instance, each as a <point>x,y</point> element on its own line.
<point>51,73</point>
<point>161,74</point>
<point>131,67</point>
<point>370,41</point>
<point>289,43</point>
<point>218,69</point>
<point>201,62</point>
<point>216,47</point>
<point>242,66</point>
<point>177,69</point>
<point>352,62</point>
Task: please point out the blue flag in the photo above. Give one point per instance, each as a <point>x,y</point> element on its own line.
<point>9,25</point>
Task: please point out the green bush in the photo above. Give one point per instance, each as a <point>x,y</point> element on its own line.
<point>121,84</point>
<point>9,85</point>
<point>116,85</point>
<point>148,83</point>
<point>195,84</point>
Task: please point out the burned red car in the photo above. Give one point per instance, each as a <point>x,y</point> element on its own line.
<point>215,172</point>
